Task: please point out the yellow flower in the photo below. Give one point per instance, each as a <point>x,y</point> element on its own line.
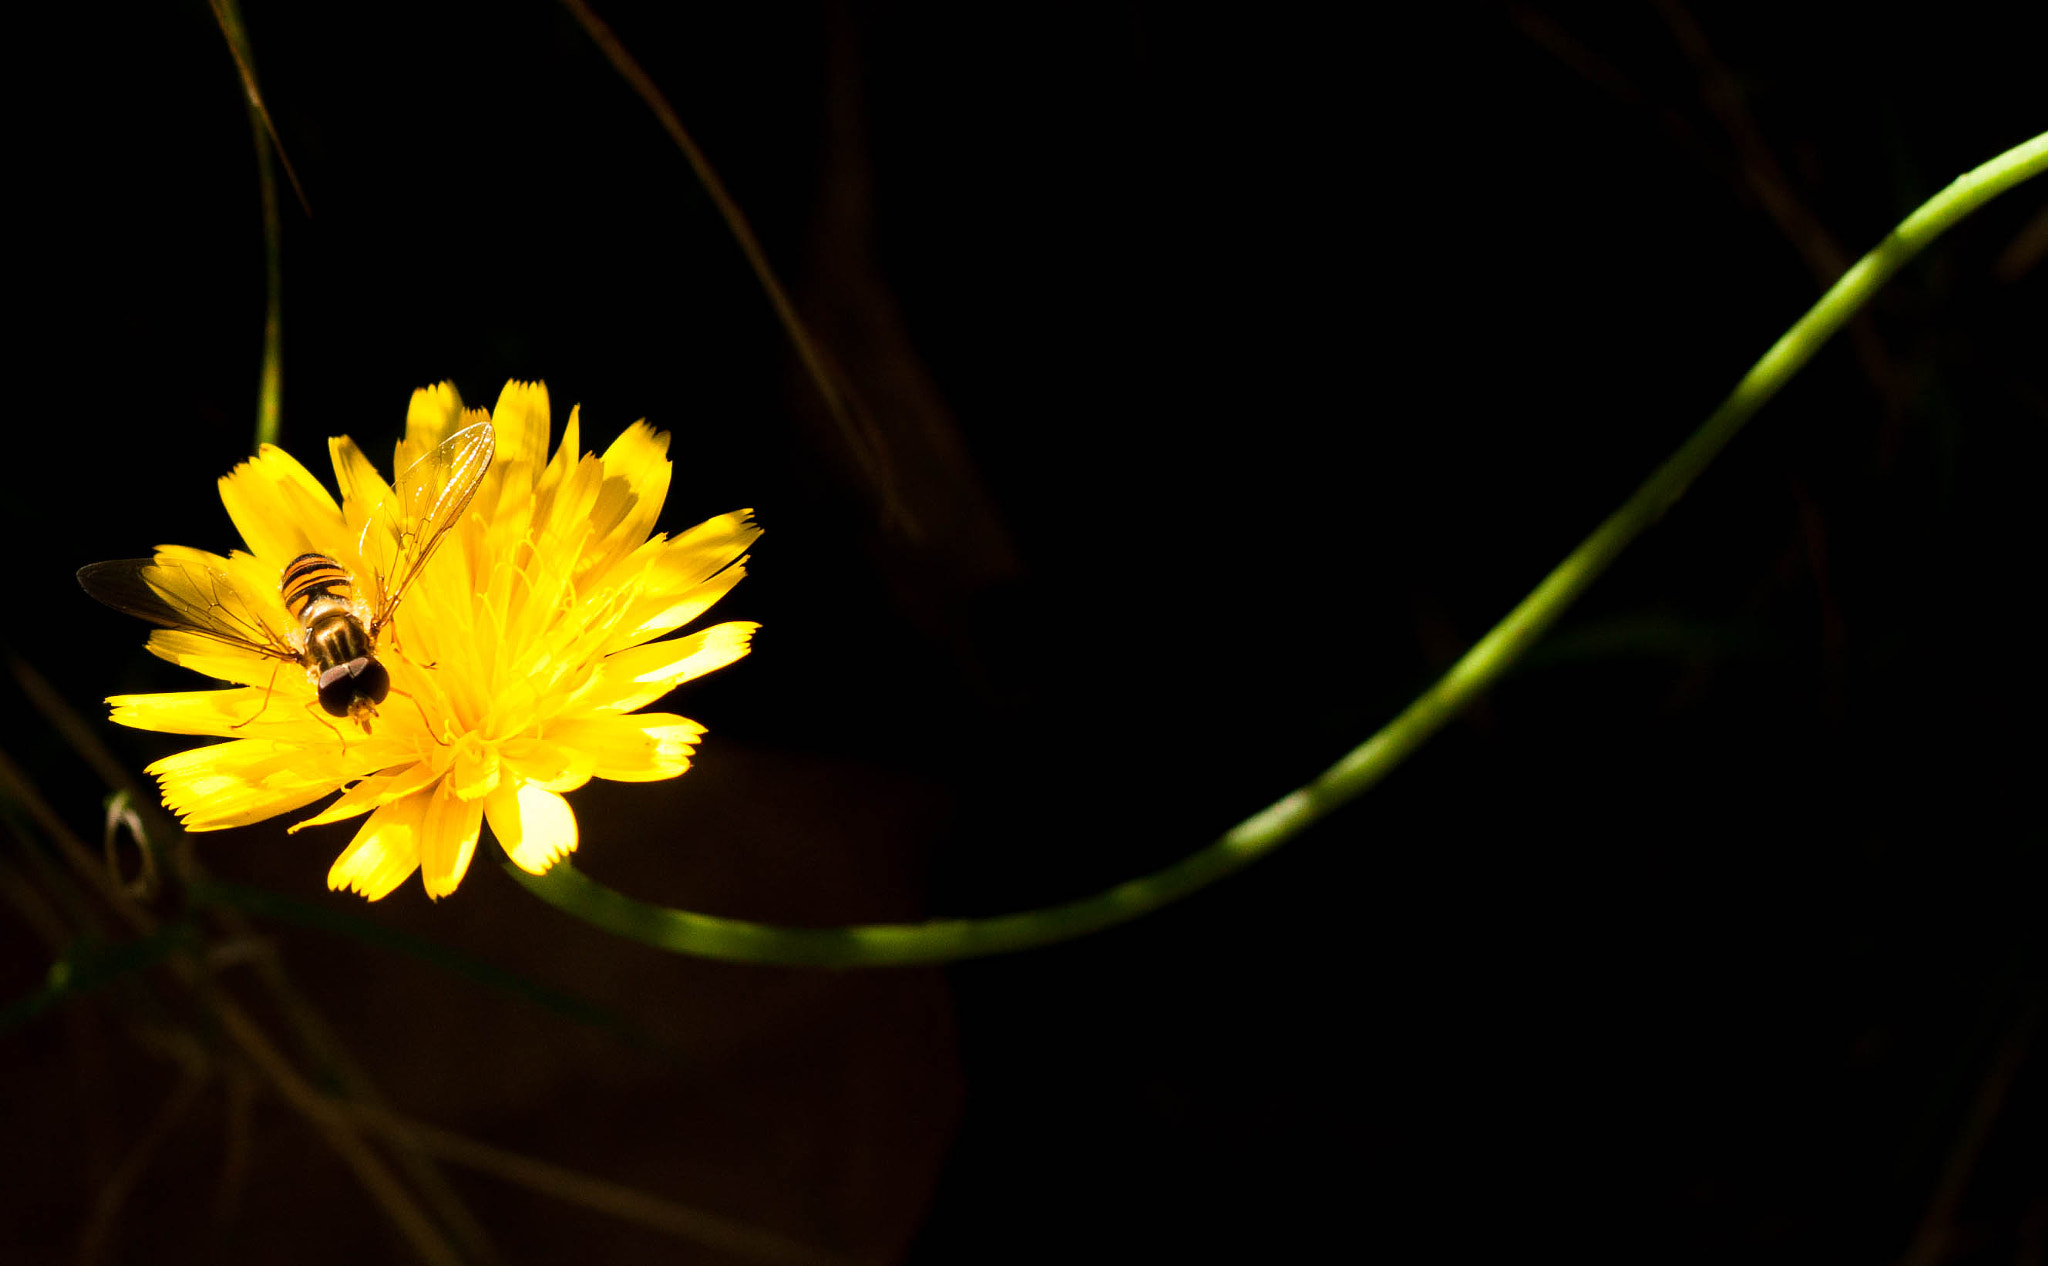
<point>516,658</point>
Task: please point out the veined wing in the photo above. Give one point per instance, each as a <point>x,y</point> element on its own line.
<point>429,498</point>
<point>188,596</point>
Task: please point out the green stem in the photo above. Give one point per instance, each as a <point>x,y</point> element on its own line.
<point>944,940</point>
<point>270,378</point>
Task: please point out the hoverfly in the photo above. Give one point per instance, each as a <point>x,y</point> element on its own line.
<point>335,638</point>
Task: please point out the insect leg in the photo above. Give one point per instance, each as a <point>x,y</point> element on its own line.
<point>313,707</point>
<point>267,695</point>
<point>431,732</point>
<point>399,649</point>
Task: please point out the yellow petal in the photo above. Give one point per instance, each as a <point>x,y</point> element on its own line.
<point>567,454</point>
<point>562,522</point>
<point>547,764</point>
<point>384,851</point>
<point>636,677</point>
<point>679,579</point>
<point>370,793</point>
<point>565,467</point>
<point>221,661</point>
<point>261,580</point>
<point>636,477</point>
<point>435,414</point>
<point>247,780</point>
<point>447,839</point>
<point>653,615</point>
<point>693,557</point>
<point>363,495</point>
<point>535,827</point>
<point>642,748</point>
<point>431,417</point>
<point>249,712</point>
<point>361,485</point>
<point>521,420</point>
<point>279,508</point>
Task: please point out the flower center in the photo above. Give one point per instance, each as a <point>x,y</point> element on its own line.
<point>474,769</point>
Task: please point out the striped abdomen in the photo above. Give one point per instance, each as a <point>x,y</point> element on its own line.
<point>316,581</point>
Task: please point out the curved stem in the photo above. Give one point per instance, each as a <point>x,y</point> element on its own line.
<point>944,940</point>
<point>270,379</point>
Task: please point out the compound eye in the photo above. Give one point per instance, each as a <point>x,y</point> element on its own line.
<point>372,681</point>
<point>337,688</point>
<point>345,685</point>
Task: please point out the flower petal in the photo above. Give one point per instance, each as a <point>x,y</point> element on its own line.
<point>567,454</point>
<point>636,677</point>
<point>691,558</point>
<point>564,511</point>
<point>653,615</point>
<point>373,792</point>
<point>681,578</point>
<point>435,413</point>
<point>363,494</point>
<point>220,661</point>
<point>636,476</point>
<point>547,764</point>
<point>534,826</point>
<point>279,508</point>
<point>521,421</point>
<point>447,839</point>
<point>247,780</point>
<point>384,851</point>
<point>361,486</point>
<point>248,712</point>
<point>643,748</point>
<point>432,416</point>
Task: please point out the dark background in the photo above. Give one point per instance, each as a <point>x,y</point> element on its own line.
<point>1236,370</point>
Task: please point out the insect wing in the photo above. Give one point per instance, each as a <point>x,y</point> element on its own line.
<point>187,596</point>
<point>428,499</point>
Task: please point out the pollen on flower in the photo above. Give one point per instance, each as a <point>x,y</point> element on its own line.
<point>520,601</point>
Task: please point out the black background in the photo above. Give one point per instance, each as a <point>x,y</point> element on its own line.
<point>1237,369</point>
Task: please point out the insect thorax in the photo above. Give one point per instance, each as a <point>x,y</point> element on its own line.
<point>334,635</point>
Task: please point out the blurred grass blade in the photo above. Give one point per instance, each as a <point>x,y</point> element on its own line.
<point>729,1236</point>
<point>270,905</point>
<point>89,966</point>
<point>856,430</point>
<point>229,17</point>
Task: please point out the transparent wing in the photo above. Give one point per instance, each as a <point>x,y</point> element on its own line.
<point>428,499</point>
<point>187,596</point>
